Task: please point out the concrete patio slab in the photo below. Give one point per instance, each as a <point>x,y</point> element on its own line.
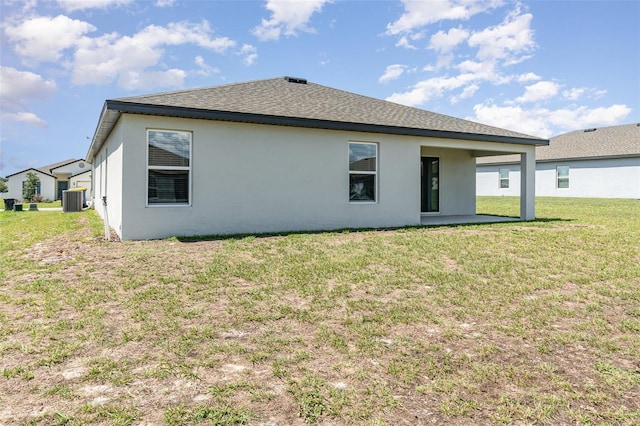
<point>468,219</point>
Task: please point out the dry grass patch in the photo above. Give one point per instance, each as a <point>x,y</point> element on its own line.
<point>491,324</point>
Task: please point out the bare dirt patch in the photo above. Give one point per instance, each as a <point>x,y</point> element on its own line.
<point>145,332</point>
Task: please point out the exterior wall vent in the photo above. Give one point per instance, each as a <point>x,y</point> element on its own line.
<point>296,80</point>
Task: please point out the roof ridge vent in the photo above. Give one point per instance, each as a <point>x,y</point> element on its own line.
<point>296,80</point>
<point>590,130</point>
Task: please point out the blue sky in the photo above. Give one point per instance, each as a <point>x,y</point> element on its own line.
<point>538,67</point>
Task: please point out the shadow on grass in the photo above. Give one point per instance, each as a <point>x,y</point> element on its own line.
<point>222,237</point>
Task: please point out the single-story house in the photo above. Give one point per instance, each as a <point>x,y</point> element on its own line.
<point>54,179</point>
<point>597,162</point>
<point>285,154</point>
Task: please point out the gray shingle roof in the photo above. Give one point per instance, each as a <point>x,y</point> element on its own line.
<point>284,102</point>
<point>48,169</point>
<point>604,142</point>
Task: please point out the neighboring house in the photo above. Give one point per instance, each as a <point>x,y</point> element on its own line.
<point>81,180</point>
<point>599,163</point>
<point>54,179</point>
<point>285,154</point>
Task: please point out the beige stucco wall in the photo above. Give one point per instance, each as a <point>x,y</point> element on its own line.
<point>256,178</point>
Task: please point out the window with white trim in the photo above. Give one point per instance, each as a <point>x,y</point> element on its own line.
<point>363,172</point>
<point>168,167</point>
<point>562,177</point>
<point>38,187</point>
<point>504,178</point>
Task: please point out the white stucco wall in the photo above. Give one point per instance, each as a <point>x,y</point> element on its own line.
<point>107,179</point>
<point>82,180</point>
<point>47,185</point>
<point>604,178</point>
<point>76,167</point>
<point>457,180</point>
<point>488,180</point>
<point>256,178</point>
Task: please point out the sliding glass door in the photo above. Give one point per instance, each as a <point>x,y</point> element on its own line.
<point>430,184</point>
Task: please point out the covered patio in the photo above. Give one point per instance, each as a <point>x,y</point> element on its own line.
<point>437,220</point>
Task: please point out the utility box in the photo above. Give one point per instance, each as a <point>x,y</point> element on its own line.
<point>9,203</point>
<point>71,201</point>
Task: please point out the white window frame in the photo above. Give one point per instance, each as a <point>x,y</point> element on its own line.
<point>187,168</point>
<point>359,172</point>
<point>567,177</point>
<point>500,178</point>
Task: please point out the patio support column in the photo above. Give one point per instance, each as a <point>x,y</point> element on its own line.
<point>528,185</point>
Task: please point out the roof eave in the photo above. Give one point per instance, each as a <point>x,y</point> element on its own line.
<point>66,164</point>
<point>31,168</point>
<point>118,107</point>
<point>564,159</point>
<point>107,121</point>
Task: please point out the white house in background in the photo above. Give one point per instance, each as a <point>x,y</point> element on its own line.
<point>54,179</point>
<point>599,163</point>
<point>285,154</point>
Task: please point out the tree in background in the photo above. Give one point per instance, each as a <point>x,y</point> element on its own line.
<point>3,186</point>
<point>30,188</point>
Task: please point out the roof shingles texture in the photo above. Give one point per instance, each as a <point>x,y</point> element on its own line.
<point>614,141</point>
<point>281,98</point>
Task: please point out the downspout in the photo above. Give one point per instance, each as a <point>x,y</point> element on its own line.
<point>107,228</point>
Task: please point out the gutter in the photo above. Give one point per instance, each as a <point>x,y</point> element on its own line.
<point>555,160</point>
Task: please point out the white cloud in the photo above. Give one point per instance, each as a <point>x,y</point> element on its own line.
<point>418,14</point>
<point>497,46</point>
<point>512,38</point>
<point>405,43</point>
<point>16,88</point>
<point>103,59</point>
<point>539,91</point>
<point>530,76</point>
<point>574,94</point>
<point>393,72</point>
<point>471,74</point>
<point>432,88</point>
<point>578,92</point>
<point>129,60</point>
<point>250,54</point>
<point>545,122</point>
<point>44,38</point>
<point>204,69</point>
<point>288,17</point>
<point>443,62</point>
<point>165,3</point>
<point>178,33</point>
<point>445,42</point>
<point>25,117</point>
<point>467,92</point>
<point>143,80</point>
<point>485,70</point>
<point>73,5</point>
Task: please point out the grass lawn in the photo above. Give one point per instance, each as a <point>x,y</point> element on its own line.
<point>512,323</point>
<point>45,205</point>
